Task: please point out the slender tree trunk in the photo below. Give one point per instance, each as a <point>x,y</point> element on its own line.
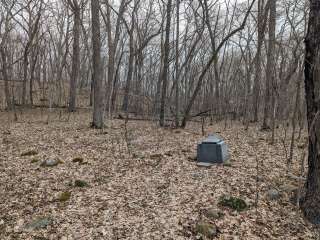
<point>112,44</point>
<point>129,74</point>
<point>311,201</point>
<point>257,76</point>
<point>75,59</point>
<point>7,94</point>
<point>294,119</point>
<point>98,105</point>
<point>165,65</point>
<point>270,71</point>
<point>156,109</point>
<point>177,68</point>
<point>115,83</point>
<point>32,71</point>
<point>25,77</point>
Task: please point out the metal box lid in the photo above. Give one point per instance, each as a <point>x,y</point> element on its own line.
<point>212,139</point>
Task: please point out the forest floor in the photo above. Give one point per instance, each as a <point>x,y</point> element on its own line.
<point>142,183</point>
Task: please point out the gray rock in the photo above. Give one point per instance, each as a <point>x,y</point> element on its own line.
<point>39,223</point>
<point>197,176</point>
<point>50,162</point>
<point>273,194</point>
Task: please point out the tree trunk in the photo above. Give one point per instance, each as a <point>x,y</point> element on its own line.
<point>75,60</point>
<point>97,68</point>
<point>208,65</point>
<point>25,76</point>
<point>165,65</point>
<point>311,201</point>
<point>177,68</point>
<point>7,94</point>
<point>130,72</point>
<point>257,76</point>
<point>270,71</point>
<point>34,59</point>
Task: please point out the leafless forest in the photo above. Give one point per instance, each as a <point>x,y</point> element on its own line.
<point>103,104</point>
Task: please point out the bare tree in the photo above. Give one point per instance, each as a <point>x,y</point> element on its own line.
<point>165,70</point>
<point>208,65</point>
<point>262,15</point>
<point>98,105</point>
<point>76,10</point>
<point>311,201</point>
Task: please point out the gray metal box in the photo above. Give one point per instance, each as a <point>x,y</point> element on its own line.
<point>212,150</point>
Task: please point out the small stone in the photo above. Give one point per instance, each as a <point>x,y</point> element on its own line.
<point>197,176</point>
<point>213,213</point>
<point>34,160</point>
<point>192,158</point>
<point>39,223</point>
<point>227,163</point>
<point>80,183</point>
<point>79,160</point>
<point>65,196</point>
<point>50,162</point>
<point>207,230</point>
<point>273,194</point>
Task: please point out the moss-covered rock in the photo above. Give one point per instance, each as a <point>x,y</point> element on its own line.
<point>80,183</point>
<point>227,164</point>
<point>206,230</point>
<point>78,160</point>
<point>29,153</point>
<point>34,160</point>
<point>234,203</point>
<point>64,196</point>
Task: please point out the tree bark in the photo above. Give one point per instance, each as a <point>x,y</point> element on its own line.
<point>177,68</point>
<point>7,94</point>
<point>165,65</point>
<point>311,201</point>
<point>34,59</point>
<point>75,58</point>
<point>98,105</point>
<point>130,69</point>
<point>270,71</point>
<point>257,76</point>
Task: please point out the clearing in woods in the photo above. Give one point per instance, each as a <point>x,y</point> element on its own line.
<point>103,185</point>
